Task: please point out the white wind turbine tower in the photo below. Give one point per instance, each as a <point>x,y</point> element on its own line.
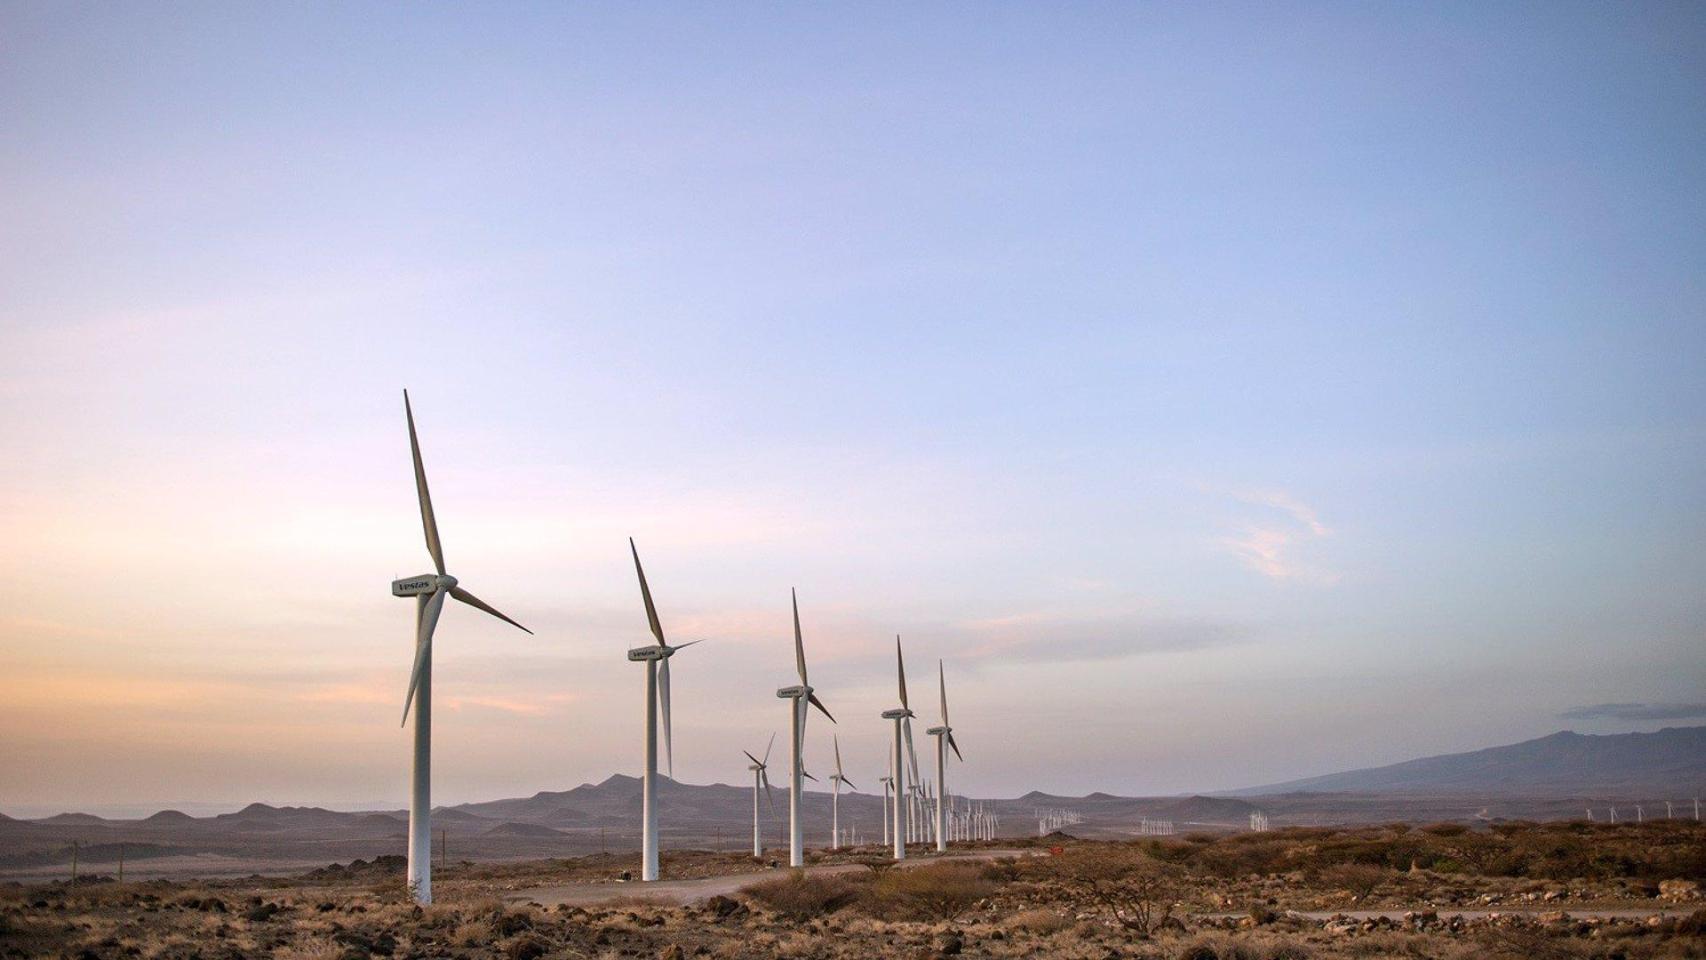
<point>902,717</point>
<point>760,778</point>
<point>798,697</point>
<point>835,799</point>
<point>657,696</point>
<point>888,785</point>
<point>944,735</point>
<point>429,591</point>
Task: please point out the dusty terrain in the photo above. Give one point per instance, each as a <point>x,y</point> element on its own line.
<point>1559,890</point>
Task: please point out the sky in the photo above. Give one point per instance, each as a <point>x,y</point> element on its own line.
<point>1222,393</point>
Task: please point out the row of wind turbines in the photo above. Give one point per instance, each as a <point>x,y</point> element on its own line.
<point>430,591</point>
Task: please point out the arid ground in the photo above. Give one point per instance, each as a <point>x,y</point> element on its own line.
<point>1553,890</point>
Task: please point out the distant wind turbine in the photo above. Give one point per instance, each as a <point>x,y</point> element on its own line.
<point>902,717</point>
<point>429,591</point>
<point>888,785</point>
<point>657,695</point>
<point>838,779</point>
<point>761,778</point>
<point>944,735</point>
<point>798,696</point>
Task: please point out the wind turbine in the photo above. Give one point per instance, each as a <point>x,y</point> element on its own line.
<point>798,696</point>
<point>944,735</point>
<point>888,785</point>
<point>902,717</point>
<point>429,591</point>
<point>760,778</point>
<point>657,695</point>
<point>838,779</point>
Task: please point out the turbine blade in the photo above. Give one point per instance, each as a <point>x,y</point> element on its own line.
<point>428,521</point>
<point>911,754</point>
<point>942,682</point>
<point>850,784</point>
<point>646,594</point>
<point>753,759</point>
<point>818,704</point>
<point>769,794</point>
<point>426,621</point>
<point>799,642</point>
<point>479,604</point>
<point>956,747</point>
<point>663,701</point>
<point>684,646</point>
<point>806,774</point>
<point>767,747</point>
<point>838,756</point>
<point>900,663</point>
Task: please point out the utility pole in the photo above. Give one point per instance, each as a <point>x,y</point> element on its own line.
<point>73,861</point>
<point>121,863</point>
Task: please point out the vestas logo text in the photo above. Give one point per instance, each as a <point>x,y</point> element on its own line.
<point>412,584</point>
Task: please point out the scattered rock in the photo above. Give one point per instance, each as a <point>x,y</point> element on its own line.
<point>1679,889</point>
<point>528,946</point>
<point>724,908</point>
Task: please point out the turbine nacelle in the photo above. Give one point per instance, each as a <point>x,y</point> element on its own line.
<point>423,585</point>
<point>899,713</point>
<point>794,693</point>
<point>938,731</point>
<point>651,652</point>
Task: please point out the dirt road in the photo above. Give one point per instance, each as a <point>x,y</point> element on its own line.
<point>693,891</point>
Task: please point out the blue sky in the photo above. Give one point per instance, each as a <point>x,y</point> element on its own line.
<point>1227,393</point>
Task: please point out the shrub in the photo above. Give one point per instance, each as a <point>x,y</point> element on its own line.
<point>1038,921</point>
<point>940,891</point>
<point>800,896</point>
<point>1135,891</point>
<point>1360,879</point>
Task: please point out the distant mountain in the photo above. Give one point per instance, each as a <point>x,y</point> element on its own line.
<point>69,819</point>
<point>168,818</point>
<point>1671,761</point>
<point>510,828</point>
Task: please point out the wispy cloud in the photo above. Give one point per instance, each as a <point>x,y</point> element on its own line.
<point>1270,548</point>
<point>503,704</point>
<point>1637,711</point>
<point>350,693</point>
<point>1280,500</point>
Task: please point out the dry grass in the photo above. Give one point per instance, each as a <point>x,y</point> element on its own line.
<point>1092,901</point>
<point>802,896</point>
<point>1039,920</point>
<point>940,891</point>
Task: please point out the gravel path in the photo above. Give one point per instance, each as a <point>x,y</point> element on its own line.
<point>682,892</point>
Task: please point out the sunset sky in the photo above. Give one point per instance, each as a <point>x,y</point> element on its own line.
<point>1226,394</point>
